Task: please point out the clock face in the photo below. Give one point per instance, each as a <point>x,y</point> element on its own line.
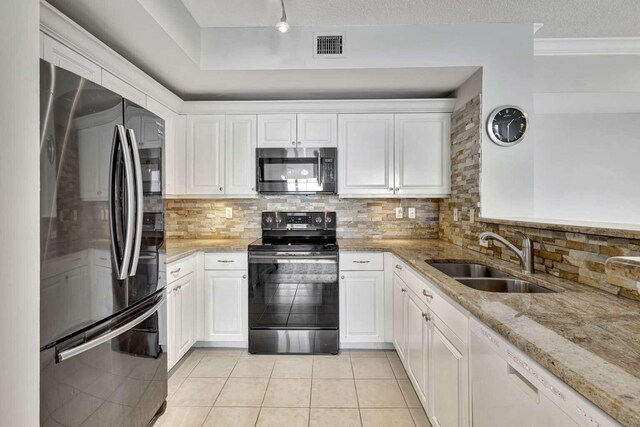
<point>507,125</point>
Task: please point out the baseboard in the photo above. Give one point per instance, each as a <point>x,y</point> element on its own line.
<point>225,344</point>
<point>366,346</point>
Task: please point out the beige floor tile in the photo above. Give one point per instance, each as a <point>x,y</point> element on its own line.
<point>243,392</point>
<point>249,367</point>
<point>281,417</point>
<point>288,393</point>
<point>185,367</point>
<point>179,416</point>
<point>232,417</point>
<point>332,368</point>
<point>299,367</point>
<point>398,368</point>
<point>419,417</point>
<point>334,417</point>
<point>372,368</point>
<point>333,393</point>
<point>214,367</point>
<point>379,394</point>
<point>409,394</point>
<point>367,353</point>
<point>197,392</point>
<point>222,352</point>
<point>386,418</point>
<point>173,384</point>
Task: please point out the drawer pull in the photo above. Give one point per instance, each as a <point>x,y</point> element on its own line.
<point>404,290</point>
<point>427,294</point>
<point>398,266</point>
<point>102,258</point>
<point>225,261</point>
<point>426,317</point>
<point>76,260</point>
<point>361,262</point>
<point>176,271</point>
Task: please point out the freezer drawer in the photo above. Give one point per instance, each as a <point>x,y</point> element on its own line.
<point>114,374</point>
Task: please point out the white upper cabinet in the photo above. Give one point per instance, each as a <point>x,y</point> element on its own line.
<point>205,154</point>
<point>365,154</point>
<point>277,130</point>
<point>117,85</point>
<point>64,57</point>
<point>297,130</point>
<point>317,130</point>
<point>422,154</point>
<point>174,126</point>
<point>240,149</point>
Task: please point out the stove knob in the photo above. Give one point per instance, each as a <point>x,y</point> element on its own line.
<point>328,220</point>
<point>269,220</point>
<point>318,220</point>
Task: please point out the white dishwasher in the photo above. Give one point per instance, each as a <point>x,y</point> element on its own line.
<point>509,389</point>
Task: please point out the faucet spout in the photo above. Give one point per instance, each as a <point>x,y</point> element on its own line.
<point>525,255</point>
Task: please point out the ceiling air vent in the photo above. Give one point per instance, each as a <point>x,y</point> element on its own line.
<point>329,45</point>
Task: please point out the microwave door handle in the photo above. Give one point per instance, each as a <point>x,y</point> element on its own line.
<point>139,206</point>
<point>117,228</point>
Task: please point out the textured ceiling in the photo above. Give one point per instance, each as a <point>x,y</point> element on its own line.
<point>561,18</point>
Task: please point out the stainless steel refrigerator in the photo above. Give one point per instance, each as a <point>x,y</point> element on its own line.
<point>102,299</point>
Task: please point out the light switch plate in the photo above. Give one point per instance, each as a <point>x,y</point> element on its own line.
<point>472,216</point>
<point>398,213</point>
<point>228,213</point>
<point>412,213</point>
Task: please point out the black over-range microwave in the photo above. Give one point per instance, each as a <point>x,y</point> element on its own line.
<point>296,170</point>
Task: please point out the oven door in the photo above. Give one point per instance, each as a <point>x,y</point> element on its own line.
<point>296,170</point>
<point>293,302</point>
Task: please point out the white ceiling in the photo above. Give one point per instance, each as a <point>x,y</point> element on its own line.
<point>561,18</point>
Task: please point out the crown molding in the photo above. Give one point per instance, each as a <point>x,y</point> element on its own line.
<point>587,46</point>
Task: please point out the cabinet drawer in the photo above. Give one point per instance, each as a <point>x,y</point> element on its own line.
<point>362,261</point>
<point>225,261</point>
<point>178,269</point>
<point>457,321</point>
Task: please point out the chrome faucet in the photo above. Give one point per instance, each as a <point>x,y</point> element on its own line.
<point>525,255</point>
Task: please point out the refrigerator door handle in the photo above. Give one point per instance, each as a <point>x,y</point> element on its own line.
<point>107,336</point>
<point>120,143</point>
<point>131,136</point>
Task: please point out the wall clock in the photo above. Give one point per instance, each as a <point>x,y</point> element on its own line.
<point>507,125</point>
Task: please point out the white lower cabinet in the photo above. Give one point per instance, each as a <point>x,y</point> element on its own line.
<point>226,306</point>
<point>399,296</point>
<point>181,300</point>
<point>361,307</point>
<point>417,346</point>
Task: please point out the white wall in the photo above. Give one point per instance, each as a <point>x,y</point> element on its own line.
<point>19,221</point>
<point>505,51</point>
<point>468,90</point>
<point>587,147</point>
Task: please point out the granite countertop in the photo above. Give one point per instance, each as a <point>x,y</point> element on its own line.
<point>176,249</point>
<point>588,338</point>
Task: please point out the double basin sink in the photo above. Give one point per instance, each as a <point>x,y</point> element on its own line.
<point>488,279</point>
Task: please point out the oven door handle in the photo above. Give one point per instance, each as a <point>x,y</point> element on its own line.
<point>308,259</point>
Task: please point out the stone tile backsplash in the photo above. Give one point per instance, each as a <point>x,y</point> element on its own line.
<point>568,255</point>
<point>357,218</point>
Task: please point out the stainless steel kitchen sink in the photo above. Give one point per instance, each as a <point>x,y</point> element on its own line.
<point>484,278</point>
<point>504,286</point>
<point>460,269</point>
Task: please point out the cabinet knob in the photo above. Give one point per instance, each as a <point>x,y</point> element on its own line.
<point>342,277</point>
<point>398,266</point>
<point>426,294</point>
<point>299,143</point>
<point>397,188</point>
<point>220,188</point>
<point>426,316</point>
<point>293,143</point>
<point>244,276</point>
<point>253,189</point>
<point>404,290</point>
<point>390,188</point>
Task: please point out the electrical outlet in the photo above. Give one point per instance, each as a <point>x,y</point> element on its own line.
<point>228,213</point>
<point>456,217</point>
<point>472,216</point>
<point>398,212</point>
<point>412,213</point>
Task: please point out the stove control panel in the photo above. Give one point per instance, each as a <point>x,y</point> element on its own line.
<point>298,220</point>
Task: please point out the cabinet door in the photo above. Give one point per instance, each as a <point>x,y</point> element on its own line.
<point>185,314</point>
<point>449,381</point>
<point>277,130</point>
<point>362,306</point>
<point>317,130</point>
<point>205,154</point>
<point>172,354</point>
<point>240,152</point>
<point>226,305</point>
<point>365,153</point>
<point>63,57</point>
<point>422,163</point>
<point>124,89</point>
<point>399,315</point>
<point>416,347</point>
